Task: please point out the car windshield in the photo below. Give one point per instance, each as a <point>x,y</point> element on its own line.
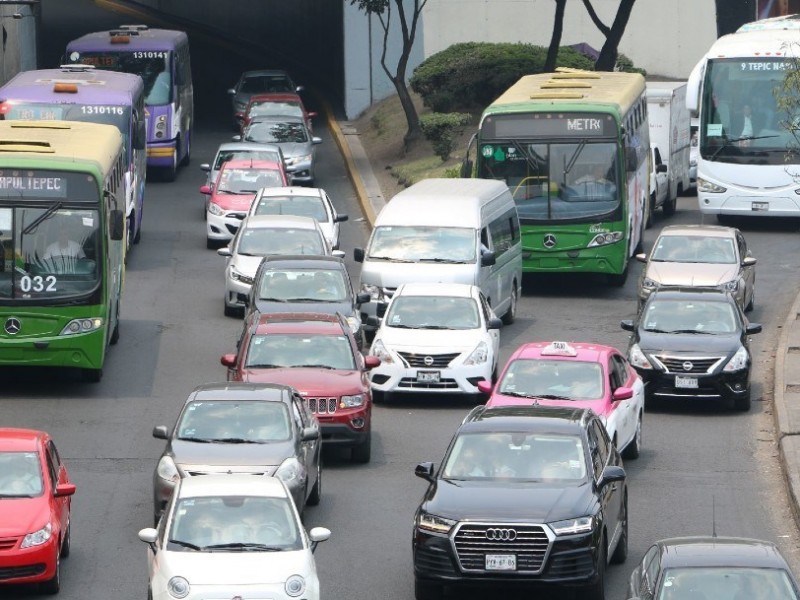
<point>276,133</point>
<point>300,206</point>
<point>440,244</point>
<point>300,350</point>
<point>694,249</point>
<point>276,109</point>
<point>676,315</point>
<point>266,84</point>
<point>249,421</point>
<point>725,583</point>
<point>564,379</point>
<point>20,474</point>
<point>225,155</point>
<point>234,524</point>
<point>433,312</point>
<point>516,456</point>
<point>248,181</point>
<point>304,285</point>
<point>264,241</point>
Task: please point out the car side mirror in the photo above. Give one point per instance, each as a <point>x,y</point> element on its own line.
<point>205,167</point>
<point>370,362</point>
<point>494,323</point>
<point>117,224</point>
<point>224,251</point>
<point>149,537</point>
<point>627,325</point>
<point>753,328</point>
<point>312,114</point>
<point>485,387</point>
<point>373,321</point>
<point>380,310</point>
<point>309,434</point>
<point>205,189</point>
<point>341,217</point>
<point>338,253</point>
<point>64,489</point>
<point>228,360</point>
<point>236,138</point>
<point>749,261</point>
<point>425,471</point>
<point>300,88</point>
<point>642,258</point>
<point>161,432</point>
<point>661,169</point>
<point>610,475</point>
<point>232,92</point>
<point>363,298</point>
<point>487,258</point>
<point>316,140</point>
<point>358,255</point>
<point>317,535</point>
<point>622,393</point>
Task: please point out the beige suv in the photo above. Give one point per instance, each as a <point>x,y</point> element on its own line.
<point>700,256</point>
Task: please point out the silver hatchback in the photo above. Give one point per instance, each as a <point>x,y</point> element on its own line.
<point>294,139</point>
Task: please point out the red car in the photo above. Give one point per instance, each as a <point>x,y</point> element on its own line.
<point>35,502</point>
<point>276,105</point>
<point>317,355</point>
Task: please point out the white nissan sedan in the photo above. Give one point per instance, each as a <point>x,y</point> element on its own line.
<point>435,337</point>
<point>228,536</point>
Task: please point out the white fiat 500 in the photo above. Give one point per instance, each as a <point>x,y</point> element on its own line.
<point>435,337</point>
<point>228,536</point>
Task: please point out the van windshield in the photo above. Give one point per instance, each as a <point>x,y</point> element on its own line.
<point>423,244</point>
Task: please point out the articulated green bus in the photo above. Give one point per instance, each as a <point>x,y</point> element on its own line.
<point>62,210</point>
<point>573,147</point>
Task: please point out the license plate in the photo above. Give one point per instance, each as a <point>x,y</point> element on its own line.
<point>501,562</point>
<point>686,382</point>
<point>428,376</point>
<point>760,206</point>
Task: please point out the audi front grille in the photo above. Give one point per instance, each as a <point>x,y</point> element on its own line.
<point>322,406</point>
<point>530,544</point>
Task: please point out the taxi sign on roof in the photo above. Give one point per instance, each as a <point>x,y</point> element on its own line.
<point>559,349</point>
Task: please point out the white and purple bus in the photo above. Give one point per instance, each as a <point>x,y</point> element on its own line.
<point>161,58</point>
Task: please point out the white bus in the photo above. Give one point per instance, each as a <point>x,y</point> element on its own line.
<point>746,164</point>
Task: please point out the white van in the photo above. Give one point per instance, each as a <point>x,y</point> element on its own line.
<point>445,231</point>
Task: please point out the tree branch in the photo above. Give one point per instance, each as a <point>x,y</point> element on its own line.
<point>604,29</point>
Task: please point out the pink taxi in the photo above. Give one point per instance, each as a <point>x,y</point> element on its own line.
<point>579,375</point>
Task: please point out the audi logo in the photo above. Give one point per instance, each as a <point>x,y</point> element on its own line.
<point>549,240</point>
<point>13,326</point>
<point>428,360</point>
<point>687,366</point>
<point>504,535</point>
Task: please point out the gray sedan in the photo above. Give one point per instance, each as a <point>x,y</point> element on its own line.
<point>262,81</point>
<point>257,429</point>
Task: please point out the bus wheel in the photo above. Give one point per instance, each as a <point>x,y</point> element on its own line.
<point>618,280</point>
<point>188,156</point>
<point>114,334</point>
<point>92,375</point>
<point>651,208</point>
<point>138,237</point>
<point>171,171</point>
<point>509,317</point>
<point>669,206</point>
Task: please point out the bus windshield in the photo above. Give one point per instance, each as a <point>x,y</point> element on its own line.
<point>558,181</point>
<point>153,66</point>
<point>741,121</point>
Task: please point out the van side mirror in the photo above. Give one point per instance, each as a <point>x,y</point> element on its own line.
<point>363,298</point>
<point>117,224</point>
<point>466,168</point>
<point>661,169</point>
<point>488,258</point>
<point>373,321</point>
<point>494,323</point>
<point>160,432</point>
<point>425,471</point>
<point>358,255</point>
<point>232,92</point>
<point>380,309</point>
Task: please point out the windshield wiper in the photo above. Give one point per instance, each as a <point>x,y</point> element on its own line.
<point>307,300</point>
<point>17,495</point>
<point>728,143</point>
<point>265,366</point>
<point>273,299</point>
<point>519,394</point>
<point>244,546</point>
<point>656,330</point>
<point>552,397</point>
<point>313,367</point>
<point>232,440</point>
<point>43,217</point>
<point>391,259</point>
<point>192,439</point>
<point>186,544</point>
<point>698,331</point>
<point>431,327</point>
<point>444,260</point>
<point>235,193</point>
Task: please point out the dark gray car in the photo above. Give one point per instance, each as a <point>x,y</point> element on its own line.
<point>262,81</point>
<point>258,429</point>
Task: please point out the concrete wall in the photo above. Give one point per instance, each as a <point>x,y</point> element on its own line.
<point>18,39</point>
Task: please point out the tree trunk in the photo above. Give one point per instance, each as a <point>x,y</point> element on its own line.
<point>555,40</point>
<point>413,131</point>
<point>732,14</point>
<point>608,55</point>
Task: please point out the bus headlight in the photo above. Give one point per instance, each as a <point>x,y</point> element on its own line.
<point>82,326</point>
<point>604,239</point>
<point>708,187</point>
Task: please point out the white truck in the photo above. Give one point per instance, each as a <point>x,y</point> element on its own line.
<point>670,144</point>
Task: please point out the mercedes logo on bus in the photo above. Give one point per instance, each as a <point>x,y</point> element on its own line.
<point>13,326</point>
<point>504,535</point>
<point>549,240</point>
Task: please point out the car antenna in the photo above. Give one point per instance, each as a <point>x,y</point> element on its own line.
<point>713,517</point>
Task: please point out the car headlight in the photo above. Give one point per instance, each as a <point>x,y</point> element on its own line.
<point>290,472</point>
<point>375,292</point>
<point>295,586</point>
<point>37,538</point>
<point>355,324</point>
<point>638,358</point>
<point>215,209</point>
<point>708,187</point>
<point>379,350</point>
<point>299,159</point>
<point>738,361</point>
<point>573,526</point>
<point>604,239</point>
<point>240,105</point>
<point>434,524</point>
<point>649,284</point>
<point>178,587</point>
<point>167,470</point>
<point>239,276</point>
<point>479,356</point>
<point>731,286</point>
<point>351,401</point>
<point>82,326</point>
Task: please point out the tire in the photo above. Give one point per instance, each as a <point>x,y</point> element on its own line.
<point>129,236</point>
<point>115,334</point>
<point>634,447</point>
<point>232,311</point>
<point>211,244</point>
<point>597,590</point>
<point>52,586</point>
<point>316,492</point>
<point>511,313</point>
<point>138,237</point>
<point>188,158</point>
<point>743,403</point>
<point>149,592</point>
<point>66,543</point>
<point>424,590</point>
<point>363,452</point>
<point>670,205</point>
<point>621,551</point>
<point>752,304</point>
<point>169,173</point>
<point>378,397</point>
<point>651,209</point>
<point>619,280</point>
<point>92,375</point>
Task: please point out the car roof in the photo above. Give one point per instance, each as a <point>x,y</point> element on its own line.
<point>550,419</point>
<point>262,72</point>
<point>711,551</point>
<point>249,163</point>
<point>14,439</point>
<point>280,221</point>
<point>462,290</point>
<point>585,351</point>
<point>278,119</point>
<point>290,190</point>
<point>275,97</point>
<point>231,485</point>
<point>298,323</point>
<point>248,146</point>
<point>238,391</point>
<point>303,261</point>
<point>706,230</point>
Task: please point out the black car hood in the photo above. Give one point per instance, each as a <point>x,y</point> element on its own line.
<point>534,502</point>
<point>654,343</point>
<point>266,307</point>
<point>218,454</point>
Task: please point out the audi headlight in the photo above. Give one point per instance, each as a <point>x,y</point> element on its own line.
<point>738,361</point>
<point>379,350</point>
<point>37,538</point>
<point>375,292</point>
<point>82,326</point>
<point>239,276</point>
<point>178,587</point>
<point>479,356</point>
<point>351,401</point>
<point>708,187</point>
<point>649,284</point>
<point>295,586</point>
<point>167,470</point>
<point>355,324</point>
<point>604,239</point>
<point>638,358</point>
<point>731,286</point>
<point>290,472</point>
<point>573,526</point>
<point>215,209</point>
<point>434,524</point>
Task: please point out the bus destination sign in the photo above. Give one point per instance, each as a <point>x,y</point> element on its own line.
<point>32,185</point>
<point>549,125</point>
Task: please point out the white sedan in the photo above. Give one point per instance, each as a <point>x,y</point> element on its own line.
<point>228,536</point>
<point>435,337</point>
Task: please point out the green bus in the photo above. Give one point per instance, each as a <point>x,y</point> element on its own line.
<point>62,216</point>
<point>573,147</point>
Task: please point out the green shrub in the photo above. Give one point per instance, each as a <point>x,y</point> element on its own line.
<point>469,76</point>
<point>453,172</point>
<point>442,130</point>
<point>626,64</point>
